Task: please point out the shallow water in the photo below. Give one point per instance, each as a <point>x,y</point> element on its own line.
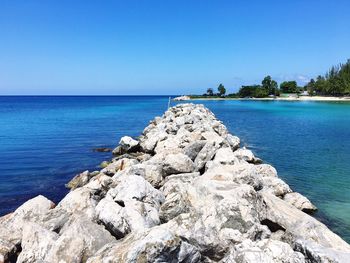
<point>44,141</point>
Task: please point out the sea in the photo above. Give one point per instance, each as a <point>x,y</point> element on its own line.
<point>46,140</point>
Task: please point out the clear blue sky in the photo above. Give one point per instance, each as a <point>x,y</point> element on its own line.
<point>166,46</point>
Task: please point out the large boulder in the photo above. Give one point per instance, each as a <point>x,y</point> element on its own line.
<point>37,241</point>
<point>81,200</point>
<point>169,145</point>
<point>149,142</point>
<point>247,155</point>
<point>121,218</point>
<point>79,180</point>
<point>11,225</point>
<point>264,251</point>
<point>193,148</point>
<point>275,186</point>
<point>132,205</point>
<point>206,154</point>
<point>176,191</point>
<point>218,211</point>
<point>126,144</point>
<point>152,172</point>
<point>278,214</point>
<point>155,245</point>
<point>226,156</point>
<point>79,239</point>
<point>133,187</point>
<point>300,202</point>
<point>118,165</point>
<point>177,163</point>
<point>265,170</point>
<point>242,173</point>
<point>233,141</point>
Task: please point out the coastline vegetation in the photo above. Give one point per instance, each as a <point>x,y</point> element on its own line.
<point>336,82</point>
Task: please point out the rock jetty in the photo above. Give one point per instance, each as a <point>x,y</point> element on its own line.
<point>184,191</point>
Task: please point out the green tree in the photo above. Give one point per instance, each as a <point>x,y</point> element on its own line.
<point>274,88</point>
<point>221,90</point>
<point>269,85</point>
<point>336,81</point>
<point>289,87</point>
<point>255,91</point>
<point>321,85</point>
<point>310,87</point>
<point>210,92</point>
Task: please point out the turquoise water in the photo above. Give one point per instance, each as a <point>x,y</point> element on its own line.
<point>44,141</point>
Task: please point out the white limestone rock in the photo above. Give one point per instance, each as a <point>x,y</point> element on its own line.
<point>79,180</point>
<point>36,243</point>
<point>170,145</point>
<point>205,155</point>
<point>11,225</point>
<point>128,144</point>
<point>264,251</point>
<point>79,239</point>
<point>246,155</point>
<point>226,156</point>
<point>133,187</point>
<point>177,163</point>
<point>193,148</point>
<point>155,245</point>
<point>265,170</point>
<point>275,186</point>
<point>300,225</point>
<point>81,200</point>
<point>233,141</point>
<point>118,165</point>
<point>300,202</point>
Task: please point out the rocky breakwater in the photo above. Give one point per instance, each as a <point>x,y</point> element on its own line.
<point>183,192</point>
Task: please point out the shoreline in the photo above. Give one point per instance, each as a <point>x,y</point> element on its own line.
<point>314,98</point>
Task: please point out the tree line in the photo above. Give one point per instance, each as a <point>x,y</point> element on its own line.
<point>336,82</point>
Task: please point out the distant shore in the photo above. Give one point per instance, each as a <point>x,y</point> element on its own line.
<point>301,98</point>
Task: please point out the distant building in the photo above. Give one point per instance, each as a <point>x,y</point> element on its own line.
<point>304,93</point>
<point>289,95</point>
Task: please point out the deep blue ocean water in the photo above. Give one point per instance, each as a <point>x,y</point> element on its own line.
<point>45,141</point>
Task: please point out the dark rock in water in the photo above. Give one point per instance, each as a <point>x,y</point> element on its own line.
<point>102,150</point>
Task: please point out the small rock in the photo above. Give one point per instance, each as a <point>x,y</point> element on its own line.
<point>79,180</point>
